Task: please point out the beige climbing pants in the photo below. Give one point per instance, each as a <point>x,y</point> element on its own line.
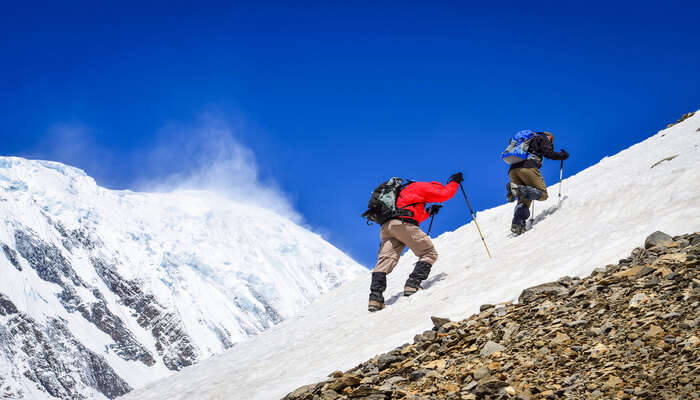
<point>529,177</point>
<point>395,236</point>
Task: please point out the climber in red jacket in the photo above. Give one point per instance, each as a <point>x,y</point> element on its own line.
<point>402,231</point>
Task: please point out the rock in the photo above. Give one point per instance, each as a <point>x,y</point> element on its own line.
<point>638,300</point>
<point>346,380</point>
<point>448,327</point>
<point>598,350</point>
<point>429,335</point>
<point>396,380</point>
<point>670,315</point>
<point>511,329</point>
<point>693,341</point>
<point>416,375</point>
<point>654,331</point>
<point>437,364</point>
<point>614,382</point>
<point>300,393</point>
<point>364,391</point>
<point>490,386</point>
<point>576,323</point>
<point>635,272</point>
<point>553,289</point>
<point>671,259</point>
<point>7,307</point>
<point>439,322</point>
<point>481,373</point>
<point>384,361</point>
<point>657,238</point>
<point>490,348</point>
<point>335,374</point>
<point>329,395</point>
<point>561,339</point>
<point>485,307</point>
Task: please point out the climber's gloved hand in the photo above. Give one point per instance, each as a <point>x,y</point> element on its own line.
<point>433,210</point>
<point>456,177</point>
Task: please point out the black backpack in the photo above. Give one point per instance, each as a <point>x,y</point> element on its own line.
<point>382,203</point>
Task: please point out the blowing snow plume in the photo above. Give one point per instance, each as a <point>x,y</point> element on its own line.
<point>209,157</point>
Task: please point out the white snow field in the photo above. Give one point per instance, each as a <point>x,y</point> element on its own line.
<point>202,271</point>
<point>609,209</point>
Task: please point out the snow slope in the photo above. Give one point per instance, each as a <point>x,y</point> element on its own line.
<point>609,209</point>
<point>145,282</point>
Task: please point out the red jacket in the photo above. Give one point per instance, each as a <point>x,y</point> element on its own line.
<point>414,196</point>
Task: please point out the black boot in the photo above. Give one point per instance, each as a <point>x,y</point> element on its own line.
<point>376,291</point>
<point>420,273</point>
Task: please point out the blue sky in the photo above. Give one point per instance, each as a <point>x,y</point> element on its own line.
<point>323,100</point>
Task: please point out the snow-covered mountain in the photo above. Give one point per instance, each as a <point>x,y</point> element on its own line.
<point>103,291</point>
<point>607,210</point>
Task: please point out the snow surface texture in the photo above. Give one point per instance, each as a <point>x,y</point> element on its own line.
<point>102,291</point>
<point>608,210</point>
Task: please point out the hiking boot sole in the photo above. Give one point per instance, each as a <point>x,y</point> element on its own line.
<point>408,291</point>
<point>375,306</point>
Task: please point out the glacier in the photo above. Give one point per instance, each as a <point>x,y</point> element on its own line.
<point>103,291</point>
<point>607,209</point>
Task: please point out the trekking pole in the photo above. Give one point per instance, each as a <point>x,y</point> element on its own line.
<point>474,217</point>
<point>432,217</point>
<point>532,214</point>
<point>433,212</point>
<point>561,173</point>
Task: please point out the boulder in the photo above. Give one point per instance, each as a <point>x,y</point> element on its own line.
<point>439,322</point>
<point>490,348</point>
<point>657,238</point>
<point>545,290</point>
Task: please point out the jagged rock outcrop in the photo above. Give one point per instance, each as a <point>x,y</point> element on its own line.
<point>628,331</point>
<point>52,357</point>
<point>51,265</point>
<point>172,341</point>
<point>681,119</point>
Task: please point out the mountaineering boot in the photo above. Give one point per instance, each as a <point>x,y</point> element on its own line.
<point>517,229</point>
<point>375,306</point>
<point>511,191</point>
<point>376,291</point>
<point>419,274</point>
<point>520,215</point>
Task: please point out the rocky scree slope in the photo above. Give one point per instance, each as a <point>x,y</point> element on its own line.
<point>627,331</point>
<point>103,291</point>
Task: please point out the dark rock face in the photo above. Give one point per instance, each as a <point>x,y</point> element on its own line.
<point>46,259</point>
<point>126,345</point>
<point>270,311</point>
<point>628,331</point>
<point>173,343</point>
<point>73,238</point>
<point>12,256</point>
<point>50,264</point>
<point>54,358</point>
<point>7,307</point>
<point>46,367</point>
